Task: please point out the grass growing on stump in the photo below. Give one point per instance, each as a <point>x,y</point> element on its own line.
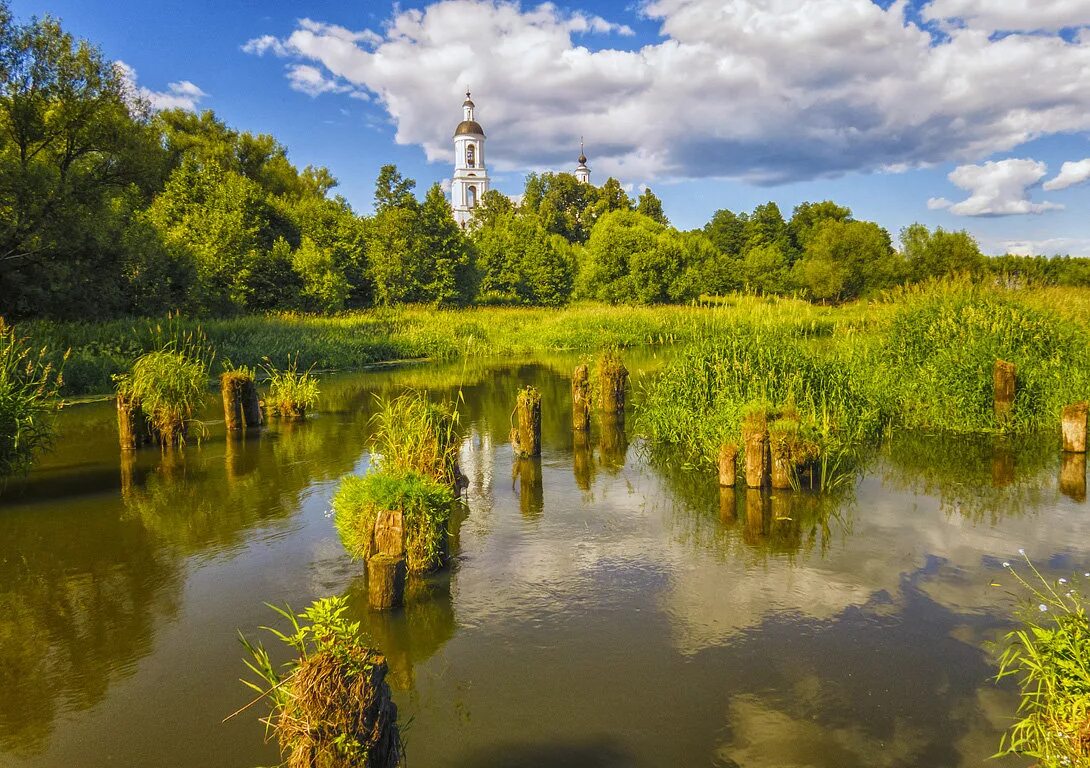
<point>413,434</point>
<point>612,380</point>
<point>426,506</point>
<point>291,393</point>
<point>240,403</point>
<point>169,386</point>
<point>28,386</point>
<point>331,707</point>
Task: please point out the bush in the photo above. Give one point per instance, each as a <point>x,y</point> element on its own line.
<point>425,504</point>
<point>28,386</point>
<point>413,434</point>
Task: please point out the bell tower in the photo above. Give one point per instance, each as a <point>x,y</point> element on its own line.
<point>470,180</point>
<point>582,172</point>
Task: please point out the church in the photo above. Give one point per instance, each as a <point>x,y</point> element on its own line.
<point>470,180</point>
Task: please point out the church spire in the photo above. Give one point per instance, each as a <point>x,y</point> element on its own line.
<point>582,172</point>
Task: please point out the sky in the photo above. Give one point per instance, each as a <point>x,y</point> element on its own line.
<point>965,114</point>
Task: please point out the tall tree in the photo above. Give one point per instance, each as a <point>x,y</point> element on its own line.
<point>650,206</point>
<point>444,253</point>
<point>392,190</point>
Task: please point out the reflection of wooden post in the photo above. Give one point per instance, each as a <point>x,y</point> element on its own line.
<point>128,472</point>
<point>612,442</point>
<point>582,460</point>
<point>728,511</point>
<point>528,436</point>
<point>755,517</point>
<point>531,488</point>
<point>1073,476</point>
<point>385,581</point>
<point>728,465</point>
<point>612,377</point>
<point>1002,466</point>
<point>1074,428</point>
<point>580,399</point>
<point>132,427</point>
<point>1005,380</point>
<point>755,439</point>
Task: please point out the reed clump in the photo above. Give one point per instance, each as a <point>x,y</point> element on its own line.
<point>29,385</point>
<point>168,387</point>
<point>330,707</point>
<point>424,507</point>
<point>292,392</point>
<point>413,434</point>
<point>1049,656</point>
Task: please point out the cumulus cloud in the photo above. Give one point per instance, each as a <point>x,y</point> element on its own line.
<point>768,91</point>
<point>1006,15</point>
<point>311,81</point>
<point>179,95</point>
<point>1066,246</point>
<point>996,188</point>
<point>1070,175</point>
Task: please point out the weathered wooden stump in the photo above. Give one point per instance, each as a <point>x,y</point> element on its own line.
<point>580,399</point>
<point>231,384</point>
<point>531,487</point>
<point>728,465</point>
<point>385,581</point>
<point>1005,380</point>
<point>612,379</point>
<point>526,436</point>
<point>1074,428</point>
<point>582,460</point>
<point>782,463</point>
<point>251,404</point>
<point>132,425</point>
<point>757,453</point>
<point>389,534</point>
<point>1073,476</point>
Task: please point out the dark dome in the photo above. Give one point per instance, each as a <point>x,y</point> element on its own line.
<point>468,127</point>
<point>582,159</point>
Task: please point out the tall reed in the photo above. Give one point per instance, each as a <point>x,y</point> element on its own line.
<point>413,434</point>
<point>29,384</point>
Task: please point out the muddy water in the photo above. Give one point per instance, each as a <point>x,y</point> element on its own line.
<point>605,607</point>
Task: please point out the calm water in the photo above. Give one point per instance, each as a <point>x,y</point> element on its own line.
<point>604,608</point>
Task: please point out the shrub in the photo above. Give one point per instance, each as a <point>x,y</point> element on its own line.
<point>28,387</point>
<point>1050,657</point>
<point>169,386</point>
<point>425,503</point>
<point>331,706</point>
<point>412,434</point>
<point>291,393</point>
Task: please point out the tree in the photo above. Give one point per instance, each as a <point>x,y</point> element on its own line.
<point>726,231</point>
<point>565,204</point>
<point>392,190</point>
<point>808,216</point>
<point>611,197</point>
<point>521,263</point>
<point>324,287</point>
<point>444,253</point>
<point>651,207</point>
<point>940,253</point>
<point>845,259</point>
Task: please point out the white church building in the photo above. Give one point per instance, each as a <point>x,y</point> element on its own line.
<point>470,180</point>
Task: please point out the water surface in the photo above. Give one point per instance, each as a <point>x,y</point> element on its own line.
<point>605,607</point>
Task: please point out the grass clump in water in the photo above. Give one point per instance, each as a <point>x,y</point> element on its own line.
<point>426,506</point>
<point>29,384</point>
<point>291,393</point>
<point>413,434</point>
<point>169,386</point>
<point>331,706</point>
<point>1049,655</point>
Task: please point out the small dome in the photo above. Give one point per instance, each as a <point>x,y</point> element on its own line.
<point>582,159</point>
<point>469,127</point>
<point>468,102</point>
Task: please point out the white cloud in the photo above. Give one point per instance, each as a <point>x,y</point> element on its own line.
<point>311,81</point>
<point>1071,173</point>
<point>765,90</point>
<point>1064,246</point>
<point>938,203</point>
<point>995,15</point>
<point>179,95</point>
<point>997,188</point>
<point>259,46</point>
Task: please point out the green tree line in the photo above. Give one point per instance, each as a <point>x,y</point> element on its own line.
<point>108,209</point>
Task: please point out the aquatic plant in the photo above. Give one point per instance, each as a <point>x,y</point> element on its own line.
<point>330,706</point>
<point>291,392</point>
<point>168,385</point>
<point>29,384</point>
<point>413,434</point>
<point>1049,656</point>
<point>426,506</point>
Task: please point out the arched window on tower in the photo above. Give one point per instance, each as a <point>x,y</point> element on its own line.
<point>471,195</point>
<point>471,155</point>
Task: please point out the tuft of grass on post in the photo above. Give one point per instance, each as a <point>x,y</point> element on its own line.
<point>426,505</point>
<point>1049,656</point>
<point>29,385</point>
<point>413,434</point>
<point>169,385</point>
<point>291,393</point>
<point>330,706</point>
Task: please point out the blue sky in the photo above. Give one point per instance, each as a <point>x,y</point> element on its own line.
<point>713,103</point>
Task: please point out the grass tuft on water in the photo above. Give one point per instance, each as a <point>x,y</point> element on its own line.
<point>413,434</point>
<point>169,386</point>
<point>291,392</point>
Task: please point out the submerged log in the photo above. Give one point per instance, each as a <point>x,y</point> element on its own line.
<point>728,465</point>
<point>758,458</point>
<point>385,581</point>
<point>612,379</point>
<point>580,399</point>
<point>132,425</point>
<point>1074,428</point>
<point>1005,380</point>
<point>1073,476</point>
<point>526,437</point>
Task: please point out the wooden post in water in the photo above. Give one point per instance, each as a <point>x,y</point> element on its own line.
<point>1073,476</point>
<point>132,426</point>
<point>526,436</point>
<point>231,386</point>
<point>782,462</point>
<point>580,399</point>
<point>1074,428</point>
<point>728,465</point>
<point>1005,380</point>
<point>251,404</point>
<point>385,581</point>
<point>755,440</point>
<point>613,376</point>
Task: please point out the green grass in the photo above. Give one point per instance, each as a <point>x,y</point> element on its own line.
<point>169,385</point>
<point>29,384</point>
<point>413,434</point>
<point>291,392</point>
